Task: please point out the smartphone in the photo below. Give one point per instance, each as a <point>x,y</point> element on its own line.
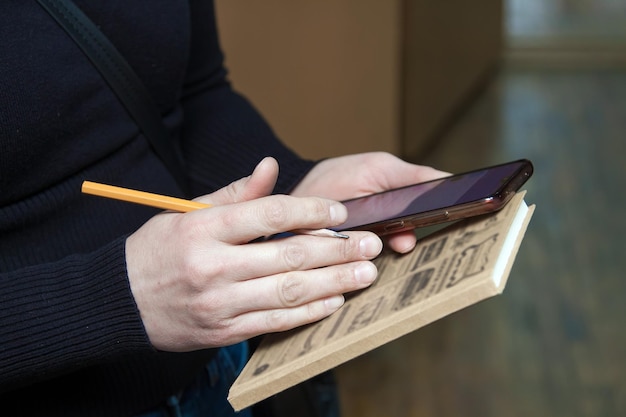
<point>439,201</point>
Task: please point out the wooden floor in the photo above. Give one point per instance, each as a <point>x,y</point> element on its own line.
<point>554,344</point>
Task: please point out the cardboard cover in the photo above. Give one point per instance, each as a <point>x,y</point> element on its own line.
<point>446,272</point>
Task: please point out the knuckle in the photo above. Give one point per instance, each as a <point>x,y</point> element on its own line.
<point>290,289</point>
<point>229,219</point>
<point>202,314</point>
<point>275,213</point>
<point>233,190</point>
<point>293,255</point>
<point>215,337</point>
<point>192,273</point>
<point>221,333</point>
<point>197,272</point>
<point>191,227</point>
<point>285,319</point>
<point>277,320</point>
<point>213,327</point>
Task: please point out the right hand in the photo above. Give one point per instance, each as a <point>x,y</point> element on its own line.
<point>199,283</point>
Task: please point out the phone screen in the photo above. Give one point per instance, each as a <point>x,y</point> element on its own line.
<point>439,194</point>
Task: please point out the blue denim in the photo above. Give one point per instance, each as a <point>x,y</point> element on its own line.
<point>206,396</point>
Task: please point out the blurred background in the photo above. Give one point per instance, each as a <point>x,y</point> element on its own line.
<point>459,85</point>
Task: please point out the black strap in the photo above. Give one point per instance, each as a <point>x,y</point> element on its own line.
<point>121,78</point>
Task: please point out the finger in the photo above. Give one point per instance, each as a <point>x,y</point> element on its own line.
<point>270,321</point>
<point>298,253</point>
<point>402,242</point>
<point>243,222</point>
<point>407,173</point>
<point>259,184</point>
<point>293,289</point>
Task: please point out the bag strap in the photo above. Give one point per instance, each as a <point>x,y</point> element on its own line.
<point>122,80</point>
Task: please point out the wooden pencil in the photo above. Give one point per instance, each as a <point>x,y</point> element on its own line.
<point>141,197</point>
<point>171,203</point>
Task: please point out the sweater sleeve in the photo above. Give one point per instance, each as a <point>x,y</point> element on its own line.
<point>224,136</point>
<point>34,301</point>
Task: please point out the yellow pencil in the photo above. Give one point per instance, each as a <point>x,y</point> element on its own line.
<point>141,197</point>
<point>170,203</point>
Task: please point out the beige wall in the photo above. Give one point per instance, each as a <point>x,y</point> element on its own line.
<point>324,73</point>
<point>341,76</point>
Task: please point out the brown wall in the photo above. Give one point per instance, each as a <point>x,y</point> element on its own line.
<point>342,76</point>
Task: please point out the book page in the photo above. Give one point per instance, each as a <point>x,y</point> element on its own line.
<point>447,271</point>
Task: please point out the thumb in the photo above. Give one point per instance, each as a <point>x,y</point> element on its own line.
<point>259,184</point>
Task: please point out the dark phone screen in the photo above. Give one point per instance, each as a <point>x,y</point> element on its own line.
<point>428,196</point>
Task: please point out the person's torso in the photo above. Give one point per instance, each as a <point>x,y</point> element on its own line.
<point>60,122</point>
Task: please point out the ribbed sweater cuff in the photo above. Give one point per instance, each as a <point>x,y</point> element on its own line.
<point>76,312</point>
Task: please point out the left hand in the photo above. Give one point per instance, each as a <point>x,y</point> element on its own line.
<point>350,176</point>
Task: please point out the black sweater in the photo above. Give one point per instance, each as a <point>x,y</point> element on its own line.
<point>71,338</point>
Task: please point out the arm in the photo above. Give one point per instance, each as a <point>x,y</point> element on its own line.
<point>249,287</point>
<point>62,316</point>
<point>58,317</point>
<point>34,301</point>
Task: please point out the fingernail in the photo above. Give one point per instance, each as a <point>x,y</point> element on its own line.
<point>338,213</point>
<point>334,303</point>
<point>370,246</point>
<point>365,273</point>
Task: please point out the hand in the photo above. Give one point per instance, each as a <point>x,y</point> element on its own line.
<point>199,283</point>
<point>356,175</point>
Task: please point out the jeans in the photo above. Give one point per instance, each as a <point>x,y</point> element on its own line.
<point>206,396</point>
